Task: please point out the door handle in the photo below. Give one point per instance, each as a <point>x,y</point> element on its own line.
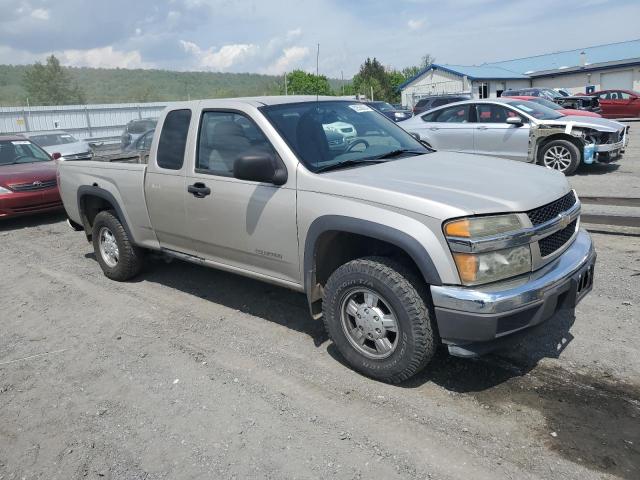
<point>434,128</point>
<point>199,190</point>
<point>482,127</point>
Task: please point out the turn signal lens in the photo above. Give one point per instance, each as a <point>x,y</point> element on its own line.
<point>467,264</point>
<point>458,228</point>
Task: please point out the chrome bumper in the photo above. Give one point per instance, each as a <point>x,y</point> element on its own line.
<point>479,314</point>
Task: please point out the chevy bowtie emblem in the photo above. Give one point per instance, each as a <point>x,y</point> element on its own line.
<point>564,220</point>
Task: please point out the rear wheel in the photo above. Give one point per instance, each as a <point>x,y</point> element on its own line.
<point>379,319</point>
<point>560,155</point>
<point>119,259</point>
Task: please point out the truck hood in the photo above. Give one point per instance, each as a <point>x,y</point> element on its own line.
<point>601,124</point>
<point>447,184</point>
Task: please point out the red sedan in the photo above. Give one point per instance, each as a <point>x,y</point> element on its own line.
<point>27,179</point>
<point>558,108</point>
<point>619,103</point>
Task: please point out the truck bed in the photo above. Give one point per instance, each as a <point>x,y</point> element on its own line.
<point>114,178</point>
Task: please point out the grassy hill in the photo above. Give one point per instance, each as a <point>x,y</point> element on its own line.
<point>102,85</point>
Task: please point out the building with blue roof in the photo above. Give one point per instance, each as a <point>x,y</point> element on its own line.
<point>602,67</point>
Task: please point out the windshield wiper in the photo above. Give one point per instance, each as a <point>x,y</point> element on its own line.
<point>395,153</point>
<point>348,163</point>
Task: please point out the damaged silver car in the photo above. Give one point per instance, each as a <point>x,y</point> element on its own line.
<point>520,130</point>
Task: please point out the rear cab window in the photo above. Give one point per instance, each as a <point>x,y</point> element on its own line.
<point>173,139</point>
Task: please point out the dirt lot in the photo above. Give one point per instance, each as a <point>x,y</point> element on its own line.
<point>191,373</point>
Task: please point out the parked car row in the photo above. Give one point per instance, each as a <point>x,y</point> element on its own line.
<point>578,102</point>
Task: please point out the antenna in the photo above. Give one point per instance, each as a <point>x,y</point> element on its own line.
<point>317,72</point>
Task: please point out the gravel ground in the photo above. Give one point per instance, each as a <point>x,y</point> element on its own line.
<point>619,179</point>
<point>191,373</point>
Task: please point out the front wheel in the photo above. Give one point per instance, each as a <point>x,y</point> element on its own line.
<point>119,259</point>
<point>379,319</point>
<point>560,155</point>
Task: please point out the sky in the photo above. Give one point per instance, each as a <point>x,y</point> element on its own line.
<point>274,36</point>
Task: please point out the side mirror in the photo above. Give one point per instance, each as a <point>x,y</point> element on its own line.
<point>260,167</point>
<point>56,155</point>
<point>415,135</point>
<point>515,121</point>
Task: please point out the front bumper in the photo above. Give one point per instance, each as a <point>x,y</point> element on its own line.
<point>610,147</point>
<point>24,203</point>
<point>476,320</point>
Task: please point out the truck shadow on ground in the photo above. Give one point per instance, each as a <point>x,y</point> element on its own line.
<point>40,219</point>
<point>272,303</point>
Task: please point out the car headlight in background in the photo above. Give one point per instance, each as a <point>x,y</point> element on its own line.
<point>4,190</point>
<point>487,267</point>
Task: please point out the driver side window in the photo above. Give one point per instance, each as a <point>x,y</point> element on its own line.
<point>223,138</point>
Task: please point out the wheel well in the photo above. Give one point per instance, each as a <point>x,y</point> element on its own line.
<point>561,136</point>
<point>335,248</point>
<point>90,206</point>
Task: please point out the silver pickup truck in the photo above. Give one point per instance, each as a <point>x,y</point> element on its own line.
<point>398,248</point>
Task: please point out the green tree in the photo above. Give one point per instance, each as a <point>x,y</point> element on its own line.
<point>50,84</point>
<point>300,82</point>
<point>426,61</point>
<point>373,77</point>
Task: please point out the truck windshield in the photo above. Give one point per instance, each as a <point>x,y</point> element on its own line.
<point>535,110</point>
<point>333,134</point>
<point>21,151</point>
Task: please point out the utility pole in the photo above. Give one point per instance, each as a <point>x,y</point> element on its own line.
<point>372,93</point>
<point>285,84</point>
<point>342,81</point>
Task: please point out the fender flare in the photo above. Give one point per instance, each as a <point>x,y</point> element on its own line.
<point>96,191</point>
<point>391,235</point>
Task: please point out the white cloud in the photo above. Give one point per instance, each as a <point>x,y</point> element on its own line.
<point>295,33</point>
<point>105,57</point>
<point>40,14</point>
<point>415,24</point>
<point>290,56</point>
<point>222,59</point>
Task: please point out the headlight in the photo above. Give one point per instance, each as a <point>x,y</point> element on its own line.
<point>4,190</point>
<point>487,267</point>
<point>477,268</point>
<point>475,227</point>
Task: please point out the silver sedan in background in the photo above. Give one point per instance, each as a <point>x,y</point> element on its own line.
<point>520,130</point>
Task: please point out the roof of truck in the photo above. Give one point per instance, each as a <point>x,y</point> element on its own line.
<point>270,100</point>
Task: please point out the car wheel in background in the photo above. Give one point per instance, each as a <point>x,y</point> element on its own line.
<point>560,155</point>
<point>379,318</point>
<point>119,259</point>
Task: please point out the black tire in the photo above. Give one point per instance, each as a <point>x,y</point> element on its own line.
<point>562,145</point>
<point>129,259</point>
<point>417,338</point>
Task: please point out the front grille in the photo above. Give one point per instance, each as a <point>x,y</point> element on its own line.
<point>37,185</point>
<point>555,241</point>
<point>543,214</point>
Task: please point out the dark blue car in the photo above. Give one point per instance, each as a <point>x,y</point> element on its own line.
<point>388,110</point>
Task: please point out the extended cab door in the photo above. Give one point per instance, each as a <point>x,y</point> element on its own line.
<point>165,181</point>
<point>494,136</point>
<point>238,223</point>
